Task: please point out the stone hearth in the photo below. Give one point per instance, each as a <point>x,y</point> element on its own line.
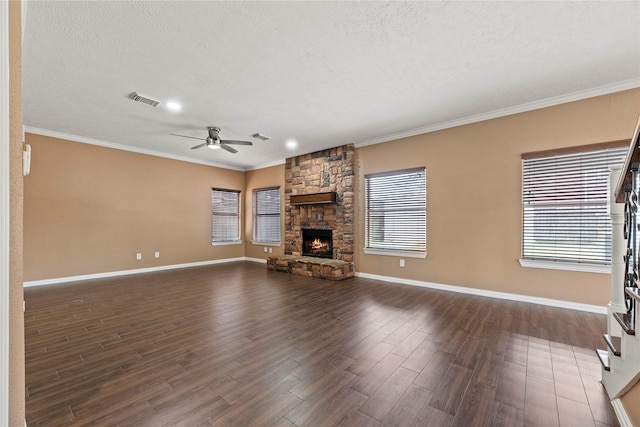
<point>331,269</point>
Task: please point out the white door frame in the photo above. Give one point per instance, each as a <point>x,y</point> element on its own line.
<point>4,213</point>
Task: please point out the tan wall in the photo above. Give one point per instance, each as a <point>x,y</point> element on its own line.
<point>630,402</point>
<point>474,196</point>
<point>90,209</point>
<point>262,178</point>
<point>16,295</point>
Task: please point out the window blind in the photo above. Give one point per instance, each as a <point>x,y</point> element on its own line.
<point>396,211</point>
<point>266,215</point>
<point>565,206</point>
<point>225,218</point>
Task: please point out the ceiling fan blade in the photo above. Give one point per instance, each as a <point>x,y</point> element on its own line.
<point>229,149</point>
<point>186,136</point>
<point>229,141</point>
<point>199,146</point>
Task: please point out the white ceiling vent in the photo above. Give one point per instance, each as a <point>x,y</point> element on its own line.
<point>260,136</point>
<point>144,99</point>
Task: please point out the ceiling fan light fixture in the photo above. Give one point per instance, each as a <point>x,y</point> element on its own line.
<point>213,146</point>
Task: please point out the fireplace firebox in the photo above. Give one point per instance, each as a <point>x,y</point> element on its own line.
<point>317,243</point>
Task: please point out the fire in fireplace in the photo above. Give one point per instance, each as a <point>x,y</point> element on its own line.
<point>318,243</point>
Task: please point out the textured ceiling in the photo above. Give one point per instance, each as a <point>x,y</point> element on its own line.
<point>323,73</point>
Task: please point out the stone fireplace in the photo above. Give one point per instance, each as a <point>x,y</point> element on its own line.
<point>318,215</point>
<point>319,195</point>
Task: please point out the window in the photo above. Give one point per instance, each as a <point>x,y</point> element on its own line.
<point>396,213</point>
<point>565,201</point>
<point>266,215</point>
<point>225,218</point>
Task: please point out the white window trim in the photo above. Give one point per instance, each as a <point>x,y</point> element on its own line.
<point>392,252</point>
<point>563,264</point>
<point>253,217</point>
<point>567,266</point>
<point>4,213</point>
<point>402,254</point>
<point>231,242</point>
<point>253,242</point>
<point>235,242</point>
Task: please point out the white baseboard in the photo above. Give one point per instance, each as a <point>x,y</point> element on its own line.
<point>621,413</point>
<point>134,271</point>
<point>450,288</point>
<point>491,294</point>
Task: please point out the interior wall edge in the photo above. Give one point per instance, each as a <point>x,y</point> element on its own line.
<point>621,413</point>
<point>4,214</point>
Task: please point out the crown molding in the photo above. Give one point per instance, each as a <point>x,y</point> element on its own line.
<point>549,102</point>
<point>268,165</point>
<point>536,105</point>
<point>115,146</point>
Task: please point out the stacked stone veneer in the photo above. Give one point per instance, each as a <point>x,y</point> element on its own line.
<point>331,269</point>
<point>319,172</point>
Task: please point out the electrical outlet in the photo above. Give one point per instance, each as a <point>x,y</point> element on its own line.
<point>138,256</point>
<point>270,250</point>
<point>157,254</point>
<point>401,263</point>
<point>265,249</point>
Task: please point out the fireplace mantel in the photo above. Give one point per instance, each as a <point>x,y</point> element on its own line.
<point>313,199</point>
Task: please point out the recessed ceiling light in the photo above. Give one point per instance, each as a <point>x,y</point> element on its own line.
<point>291,144</point>
<point>174,106</point>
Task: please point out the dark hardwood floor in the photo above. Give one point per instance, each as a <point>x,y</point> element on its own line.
<point>235,344</point>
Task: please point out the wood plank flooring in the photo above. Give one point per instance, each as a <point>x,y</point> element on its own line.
<point>236,344</point>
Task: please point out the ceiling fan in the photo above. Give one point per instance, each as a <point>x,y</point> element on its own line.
<point>214,142</point>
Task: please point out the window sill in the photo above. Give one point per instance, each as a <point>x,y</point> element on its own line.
<point>237,242</point>
<point>567,266</point>
<point>403,254</point>
<point>253,242</point>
